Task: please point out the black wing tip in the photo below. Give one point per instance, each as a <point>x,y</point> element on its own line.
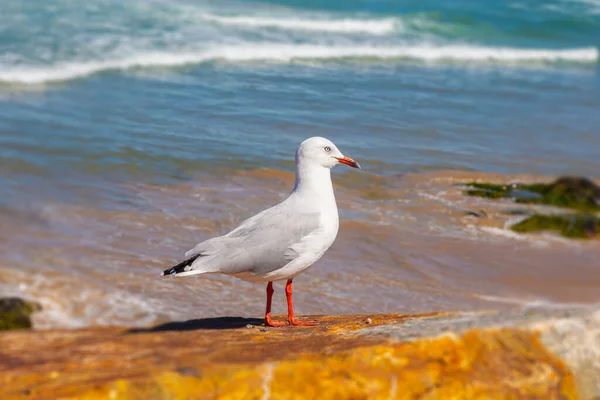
<point>180,267</point>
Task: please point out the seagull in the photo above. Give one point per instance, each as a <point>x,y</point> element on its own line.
<point>283,241</point>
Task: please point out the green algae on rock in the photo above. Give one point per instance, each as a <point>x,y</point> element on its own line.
<point>569,192</point>
<point>15,313</point>
<point>579,226</point>
<point>489,190</point>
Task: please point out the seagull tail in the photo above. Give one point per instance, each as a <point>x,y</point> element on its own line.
<point>183,268</point>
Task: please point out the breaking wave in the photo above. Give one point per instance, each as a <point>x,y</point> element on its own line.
<point>348,25</point>
<point>290,52</point>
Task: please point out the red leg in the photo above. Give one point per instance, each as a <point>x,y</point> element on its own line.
<point>291,320</point>
<point>268,321</point>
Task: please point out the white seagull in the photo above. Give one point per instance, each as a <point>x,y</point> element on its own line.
<point>283,241</point>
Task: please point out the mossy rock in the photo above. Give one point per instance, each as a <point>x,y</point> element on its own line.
<point>580,226</point>
<point>16,313</point>
<point>570,192</point>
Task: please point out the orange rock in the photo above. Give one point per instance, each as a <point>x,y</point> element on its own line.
<point>222,358</point>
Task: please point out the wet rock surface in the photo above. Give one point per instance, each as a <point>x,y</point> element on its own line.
<point>579,226</point>
<point>534,354</point>
<point>16,313</point>
<point>581,195</point>
<point>569,192</point>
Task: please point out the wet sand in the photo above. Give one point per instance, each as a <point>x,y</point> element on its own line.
<point>406,244</point>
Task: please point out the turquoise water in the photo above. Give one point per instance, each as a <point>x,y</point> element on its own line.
<point>159,90</point>
<point>100,95</point>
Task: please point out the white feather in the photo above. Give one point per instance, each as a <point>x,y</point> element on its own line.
<point>284,240</point>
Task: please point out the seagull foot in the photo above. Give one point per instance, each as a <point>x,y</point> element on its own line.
<point>301,323</point>
<point>273,324</point>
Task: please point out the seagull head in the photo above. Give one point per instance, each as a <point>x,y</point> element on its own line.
<point>321,151</point>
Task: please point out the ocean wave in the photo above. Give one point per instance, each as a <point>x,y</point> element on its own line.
<point>286,53</point>
<point>348,25</point>
<point>73,70</point>
<point>593,6</point>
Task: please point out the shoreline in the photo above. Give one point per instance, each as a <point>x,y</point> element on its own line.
<point>429,247</point>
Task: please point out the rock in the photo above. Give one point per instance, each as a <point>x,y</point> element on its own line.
<point>477,214</point>
<point>15,313</point>
<point>580,194</point>
<point>489,190</point>
<point>591,226</point>
<point>570,192</point>
<point>533,354</point>
<point>518,211</point>
<point>578,226</point>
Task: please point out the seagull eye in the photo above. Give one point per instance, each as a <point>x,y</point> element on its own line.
<point>327,149</point>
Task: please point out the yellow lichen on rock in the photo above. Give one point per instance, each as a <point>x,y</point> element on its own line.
<point>480,365</point>
<point>506,364</point>
<point>332,361</point>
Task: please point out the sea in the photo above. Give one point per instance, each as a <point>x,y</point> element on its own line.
<point>130,131</point>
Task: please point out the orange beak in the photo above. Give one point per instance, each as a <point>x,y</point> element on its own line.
<point>348,161</point>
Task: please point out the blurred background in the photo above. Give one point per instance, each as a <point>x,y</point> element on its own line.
<point>130,131</point>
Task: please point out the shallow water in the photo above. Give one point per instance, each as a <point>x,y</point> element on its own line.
<point>405,245</point>
<point>129,132</point>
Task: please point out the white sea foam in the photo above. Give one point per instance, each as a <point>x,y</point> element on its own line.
<point>533,303</point>
<point>289,52</point>
<point>348,25</point>
<point>593,6</point>
<point>503,233</point>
